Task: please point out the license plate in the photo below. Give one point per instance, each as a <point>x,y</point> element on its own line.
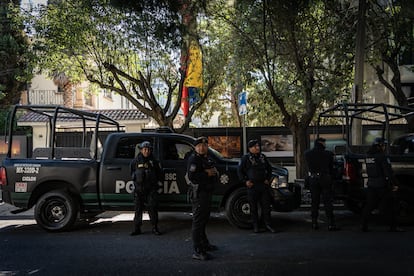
<point>20,187</point>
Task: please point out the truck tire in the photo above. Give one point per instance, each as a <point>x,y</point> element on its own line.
<point>238,209</point>
<point>405,212</point>
<point>56,211</point>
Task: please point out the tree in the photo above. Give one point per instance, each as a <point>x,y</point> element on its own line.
<point>15,60</point>
<point>129,49</point>
<point>302,52</point>
<point>391,26</point>
<point>219,46</point>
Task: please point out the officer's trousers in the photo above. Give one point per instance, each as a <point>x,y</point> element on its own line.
<point>321,186</point>
<point>383,199</point>
<point>201,214</point>
<point>146,199</point>
<point>260,196</point>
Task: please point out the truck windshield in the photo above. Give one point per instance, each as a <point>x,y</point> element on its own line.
<point>216,154</point>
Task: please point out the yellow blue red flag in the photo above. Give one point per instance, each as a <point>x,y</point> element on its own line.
<point>194,76</point>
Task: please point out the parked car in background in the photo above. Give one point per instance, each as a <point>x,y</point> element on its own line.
<point>351,177</point>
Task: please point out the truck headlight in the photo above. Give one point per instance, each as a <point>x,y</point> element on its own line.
<point>279,182</point>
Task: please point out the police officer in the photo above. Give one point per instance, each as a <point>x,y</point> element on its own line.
<point>145,173</point>
<point>382,184</point>
<point>320,165</point>
<point>255,172</point>
<point>202,176</point>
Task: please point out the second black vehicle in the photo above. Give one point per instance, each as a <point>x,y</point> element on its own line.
<point>351,156</point>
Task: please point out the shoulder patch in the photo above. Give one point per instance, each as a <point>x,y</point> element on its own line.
<point>193,167</point>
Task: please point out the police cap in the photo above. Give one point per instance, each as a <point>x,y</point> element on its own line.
<point>252,143</point>
<point>380,141</point>
<point>320,140</point>
<point>200,140</point>
<point>145,144</point>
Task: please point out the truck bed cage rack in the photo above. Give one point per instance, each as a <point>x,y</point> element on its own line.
<point>52,114</point>
<point>377,114</point>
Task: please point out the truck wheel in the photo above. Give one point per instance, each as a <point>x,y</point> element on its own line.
<point>238,209</point>
<point>405,212</point>
<point>56,211</point>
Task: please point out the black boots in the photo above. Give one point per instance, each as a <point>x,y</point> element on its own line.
<point>137,231</point>
<point>201,255</point>
<point>331,225</point>
<point>256,228</point>
<point>270,228</point>
<point>155,231</point>
<point>315,225</point>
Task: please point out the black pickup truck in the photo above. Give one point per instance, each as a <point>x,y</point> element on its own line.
<point>377,120</point>
<point>67,184</point>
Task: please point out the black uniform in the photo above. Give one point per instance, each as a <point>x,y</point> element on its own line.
<point>320,165</point>
<point>379,191</point>
<point>145,173</point>
<point>202,188</point>
<point>256,168</point>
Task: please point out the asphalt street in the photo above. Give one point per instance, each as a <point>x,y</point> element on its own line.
<point>105,248</point>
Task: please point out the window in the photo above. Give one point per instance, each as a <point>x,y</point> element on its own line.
<point>107,93</point>
<point>408,89</point>
<point>88,98</point>
<point>128,147</point>
<point>175,150</point>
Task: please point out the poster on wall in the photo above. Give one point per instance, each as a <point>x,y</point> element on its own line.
<point>370,135</point>
<point>277,145</point>
<point>332,140</point>
<point>228,146</point>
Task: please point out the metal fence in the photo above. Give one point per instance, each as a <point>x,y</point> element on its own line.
<point>45,97</point>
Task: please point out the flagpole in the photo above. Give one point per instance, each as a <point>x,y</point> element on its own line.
<point>242,112</point>
<point>244,134</point>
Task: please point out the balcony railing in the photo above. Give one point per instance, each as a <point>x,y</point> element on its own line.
<point>45,97</point>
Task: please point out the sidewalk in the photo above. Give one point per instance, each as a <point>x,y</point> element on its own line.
<point>6,209</point>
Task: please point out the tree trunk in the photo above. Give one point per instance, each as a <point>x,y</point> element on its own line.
<point>300,144</point>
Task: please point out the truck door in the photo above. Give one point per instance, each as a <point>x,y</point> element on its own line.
<point>173,158</point>
<point>116,186</point>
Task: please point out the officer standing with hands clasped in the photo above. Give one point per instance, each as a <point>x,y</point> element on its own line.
<point>202,176</point>
<point>382,185</point>
<point>320,165</point>
<point>255,171</point>
<point>145,171</point>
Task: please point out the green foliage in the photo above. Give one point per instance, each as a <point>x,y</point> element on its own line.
<point>162,19</point>
<point>15,59</point>
<point>132,48</point>
<point>218,48</point>
<point>390,36</point>
<point>298,54</point>
<point>296,57</point>
<point>3,120</point>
